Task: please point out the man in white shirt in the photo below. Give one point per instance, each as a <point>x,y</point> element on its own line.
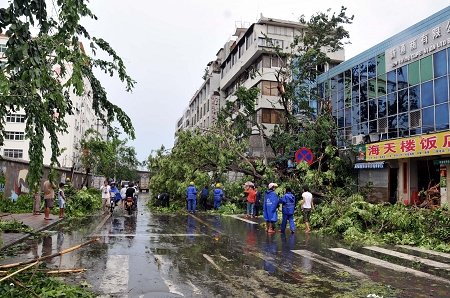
<point>106,195</point>
<point>307,205</point>
<point>123,192</point>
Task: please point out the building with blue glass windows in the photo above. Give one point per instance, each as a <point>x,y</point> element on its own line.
<point>392,102</point>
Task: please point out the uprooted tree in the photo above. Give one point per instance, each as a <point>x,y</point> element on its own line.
<point>305,117</point>
<point>223,148</point>
<point>29,80</point>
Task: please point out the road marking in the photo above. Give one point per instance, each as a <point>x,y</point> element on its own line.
<point>147,235</point>
<point>431,252</point>
<point>388,265</point>
<point>101,223</point>
<point>408,257</point>
<point>115,278</point>
<point>195,289</point>
<point>330,263</point>
<point>243,219</point>
<point>164,266</point>
<point>205,223</point>
<point>212,262</point>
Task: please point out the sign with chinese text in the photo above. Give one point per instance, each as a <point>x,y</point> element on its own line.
<point>424,145</point>
<point>422,45</point>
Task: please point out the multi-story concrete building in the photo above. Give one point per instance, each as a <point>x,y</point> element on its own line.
<point>83,118</point>
<point>392,100</point>
<point>238,59</point>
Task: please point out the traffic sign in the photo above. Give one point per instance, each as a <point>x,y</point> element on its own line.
<point>304,154</point>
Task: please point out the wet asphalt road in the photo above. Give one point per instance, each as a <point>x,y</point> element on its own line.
<point>207,255</point>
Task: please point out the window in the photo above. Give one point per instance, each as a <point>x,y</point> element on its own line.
<point>355,115</point>
<point>275,42</point>
<point>340,81</point>
<point>441,90</point>
<point>428,119</point>
<point>402,77</point>
<point>381,107</point>
<point>372,88</point>
<point>14,135</point>
<point>371,68</point>
<point>441,112</point>
<point>381,64</point>
<point>270,116</point>
<point>269,88</point>
<point>276,61</point>
<point>381,85</point>
<point>392,104</point>
<point>440,63</point>
<point>414,98</point>
<point>14,153</point>
<point>427,94</point>
<point>248,41</point>
<point>373,110</point>
<point>276,30</point>
<point>391,81</point>
<point>241,50</point>
<point>402,101</point>
<point>413,73</point>
<point>2,48</point>
<point>355,75</point>
<point>426,68</point>
<point>15,118</point>
<point>363,71</point>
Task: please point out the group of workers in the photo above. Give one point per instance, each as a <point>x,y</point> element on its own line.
<point>271,204</point>
<point>191,197</point>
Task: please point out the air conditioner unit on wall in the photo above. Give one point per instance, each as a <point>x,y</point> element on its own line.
<point>357,139</point>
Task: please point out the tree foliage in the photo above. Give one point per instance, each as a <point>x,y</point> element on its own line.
<point>110,158</point>
<point>29,80</point>
<point>363,223</point>
<point>302,124</point>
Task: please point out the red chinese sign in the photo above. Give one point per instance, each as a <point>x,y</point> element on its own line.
<point>435,144</point>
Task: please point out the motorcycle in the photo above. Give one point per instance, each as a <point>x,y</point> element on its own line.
<point>129,204</point>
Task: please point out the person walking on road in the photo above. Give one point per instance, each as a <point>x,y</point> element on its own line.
<point>307,205</point>
<point>288,206</point>
<point>218,196</point>
<point>123,195</point>
<point>49,196</point>
<point>204,197</point>
<point>61,200</point>
<point>106,195</point>
<point>191,196</point>
<point>270,208</point>
<point>251,199</point>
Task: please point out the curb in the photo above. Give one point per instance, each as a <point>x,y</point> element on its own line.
<point>25,236</point>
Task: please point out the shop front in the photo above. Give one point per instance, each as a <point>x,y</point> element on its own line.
<point>411,165</point>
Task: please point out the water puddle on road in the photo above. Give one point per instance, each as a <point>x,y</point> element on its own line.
<point>208,255</point>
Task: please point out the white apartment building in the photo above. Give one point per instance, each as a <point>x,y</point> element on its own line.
<point>250,53</point>
<point>83,118</point>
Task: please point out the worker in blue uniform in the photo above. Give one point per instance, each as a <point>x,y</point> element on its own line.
<point>288,206</point>
<point>191,196</point>
<point>218,196</point>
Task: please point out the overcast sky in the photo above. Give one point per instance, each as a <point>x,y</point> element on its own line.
<point>167,44</point>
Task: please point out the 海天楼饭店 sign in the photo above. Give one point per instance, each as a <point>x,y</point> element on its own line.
<point>424,145</point>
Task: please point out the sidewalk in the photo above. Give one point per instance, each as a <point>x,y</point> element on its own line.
<point>36,222</point>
